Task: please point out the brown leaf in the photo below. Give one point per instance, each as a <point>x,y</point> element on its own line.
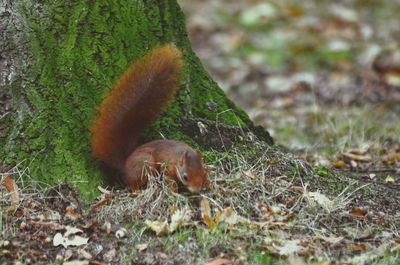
<point>359,158</point>
<point>298,189</point>
<point>358,213</point>
<point>358,247</point>
<point>12,188</point>
<point>205,208</point>
<point>72,213</point>
<point>358,152</point>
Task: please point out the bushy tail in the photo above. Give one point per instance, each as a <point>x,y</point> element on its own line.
<point>142,93</point>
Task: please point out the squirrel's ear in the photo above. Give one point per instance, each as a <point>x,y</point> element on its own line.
<point>185,157</point>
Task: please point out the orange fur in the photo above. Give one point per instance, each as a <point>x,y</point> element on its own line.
<point>142,93</point>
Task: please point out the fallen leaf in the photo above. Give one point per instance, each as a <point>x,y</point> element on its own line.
<point>141,247</point>
<point>231,217</point>
<point>160,228</point>
<point>72,213</point>
<point>205,208</point>
<point>358,152</point>
<point>179,219</point>
<point>209,222</point>
<point>59,239</point>
<point>389,179</point>
<point>359,213</point>
<point>358,247</point>
<point>321,200</point>
<point>359,158</point>
<point>298,189</point>
<point>12,188</point>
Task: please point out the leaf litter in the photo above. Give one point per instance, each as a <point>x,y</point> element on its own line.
<point>277,203</point>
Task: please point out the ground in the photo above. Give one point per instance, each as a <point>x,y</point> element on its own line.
<point>323,78</point>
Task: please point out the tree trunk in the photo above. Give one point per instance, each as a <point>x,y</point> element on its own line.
<point>58,58</point>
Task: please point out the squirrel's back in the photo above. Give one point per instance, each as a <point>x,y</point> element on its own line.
<point>142,93</point>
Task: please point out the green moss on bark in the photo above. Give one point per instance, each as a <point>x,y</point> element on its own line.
<point>79,50</point>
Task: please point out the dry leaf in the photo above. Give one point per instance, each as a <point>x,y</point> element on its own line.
<point>298,189</point>
<point>66,241</point>
<point>179,218</point>
<point>359,213</point>
<point>12,188</point>
<point>205,208</point>
<point>72,213</point>
<point>141,247</point>
<point>209,222</point>
<point>359,158</point>
<point>321,200</point>
<point>358,152</point>
<point>389,179</point>
<point>358,247</point>
<point>160,228</point>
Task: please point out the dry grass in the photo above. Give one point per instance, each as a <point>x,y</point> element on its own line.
<point>276,192</point>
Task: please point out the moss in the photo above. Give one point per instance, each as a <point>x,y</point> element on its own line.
<point>80,49</point>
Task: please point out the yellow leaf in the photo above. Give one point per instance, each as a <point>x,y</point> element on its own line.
<point>205,208</point>
<point>389,179</point>
<point>161,228</point>
<point>209,222</point>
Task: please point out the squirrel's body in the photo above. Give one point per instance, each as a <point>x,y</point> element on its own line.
<point>139,97</point>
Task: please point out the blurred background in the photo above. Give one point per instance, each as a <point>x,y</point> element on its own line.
<point>323,77</point>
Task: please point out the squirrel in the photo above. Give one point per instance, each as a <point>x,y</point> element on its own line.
<point>139,97</point>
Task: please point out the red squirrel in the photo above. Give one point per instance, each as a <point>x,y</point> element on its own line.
<point>142,93</point>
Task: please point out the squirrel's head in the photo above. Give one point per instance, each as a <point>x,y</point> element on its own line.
<point>192,172</point>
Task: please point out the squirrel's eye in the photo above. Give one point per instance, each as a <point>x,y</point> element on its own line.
<point>185,177</point>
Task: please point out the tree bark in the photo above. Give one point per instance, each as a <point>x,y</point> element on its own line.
<point>58,58</point>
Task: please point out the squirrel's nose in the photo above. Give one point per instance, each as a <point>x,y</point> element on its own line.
<point>194,189</point>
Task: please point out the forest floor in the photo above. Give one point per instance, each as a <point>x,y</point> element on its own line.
<point>324,79</point>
